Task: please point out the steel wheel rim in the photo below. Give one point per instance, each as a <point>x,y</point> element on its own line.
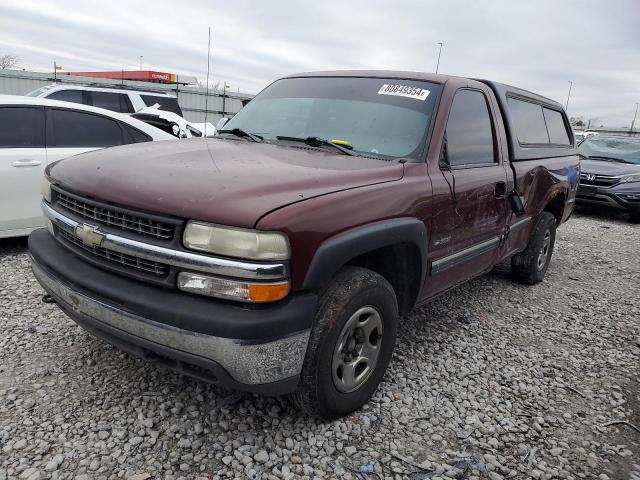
<point>544,250</point>
<point>357,350</point>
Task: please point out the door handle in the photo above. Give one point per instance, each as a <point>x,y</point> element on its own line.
<point>500,190</point>
<point>26,162</point>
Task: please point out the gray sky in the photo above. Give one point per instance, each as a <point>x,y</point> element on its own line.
<point>537,44</point>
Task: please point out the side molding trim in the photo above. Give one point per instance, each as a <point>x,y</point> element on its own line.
<point>450,261</point>
<point>514,227</point>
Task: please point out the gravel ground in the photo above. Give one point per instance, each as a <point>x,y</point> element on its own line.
<point>492,380</point>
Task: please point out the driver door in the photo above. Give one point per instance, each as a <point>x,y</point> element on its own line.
<point>470,201</point>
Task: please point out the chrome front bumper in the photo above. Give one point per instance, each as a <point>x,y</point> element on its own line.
<point>247,362</point>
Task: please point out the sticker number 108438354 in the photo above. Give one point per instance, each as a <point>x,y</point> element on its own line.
<point>404,91</point>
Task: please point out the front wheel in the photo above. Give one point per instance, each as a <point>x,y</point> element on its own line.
<point>634,216</point>
<point>530,265</point>
<point>350,345</point>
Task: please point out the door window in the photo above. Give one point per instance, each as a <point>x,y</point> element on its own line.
<point>74,96</point>
<point>168,104</point>
<point>469,131</point>
<point>136,136</point>
<point>116,102</point>
<point>21,127</point>
<point>71,128</point>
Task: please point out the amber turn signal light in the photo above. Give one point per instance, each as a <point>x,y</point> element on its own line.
<point>271,292</point>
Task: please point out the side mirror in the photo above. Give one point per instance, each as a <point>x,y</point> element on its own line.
<point>221,123</point>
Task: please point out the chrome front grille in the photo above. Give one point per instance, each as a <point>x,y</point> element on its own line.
<point>130,262</point>
<point>598,180</point>
<point>105,215</point>
<point>154,262</point>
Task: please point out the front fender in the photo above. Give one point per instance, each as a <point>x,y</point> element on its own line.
<point>335,252</point>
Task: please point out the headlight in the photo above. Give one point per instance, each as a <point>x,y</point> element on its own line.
<point>236,242</point>
<point>232,289</point>
<point>46,189</point>
<point>630,178</point>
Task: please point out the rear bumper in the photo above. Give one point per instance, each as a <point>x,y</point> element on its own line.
<point>263,353</point>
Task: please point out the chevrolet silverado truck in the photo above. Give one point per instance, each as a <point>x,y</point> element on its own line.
<point>279,256</point>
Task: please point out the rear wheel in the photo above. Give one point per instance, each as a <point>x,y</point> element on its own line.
<point>530,265</point>
<point>350,345</point>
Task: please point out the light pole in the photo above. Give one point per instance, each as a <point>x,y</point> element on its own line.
<point>141,57</point>
<point>206,95</point>
<point>224,96</point>
<point>439,52</point>
<point>634,120</point>
<point>566,107</point>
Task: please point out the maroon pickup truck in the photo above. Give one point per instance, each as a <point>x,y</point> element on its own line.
<point>279,256</point>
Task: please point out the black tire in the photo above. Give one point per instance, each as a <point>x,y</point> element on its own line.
<point>634,217</point>
<point>352,290</point>
<point>530,265</point>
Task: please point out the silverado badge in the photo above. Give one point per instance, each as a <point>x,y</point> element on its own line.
<point>89,235</point>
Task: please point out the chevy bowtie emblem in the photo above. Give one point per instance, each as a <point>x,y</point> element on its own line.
<point>89,235</point>
<point>591,177</point>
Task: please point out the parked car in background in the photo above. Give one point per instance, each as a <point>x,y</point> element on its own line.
<point>610,173</point>
<point>579,136</point>
<point>283,251</point>
<point>35,132</point>
<point>115,99</point>
<point>173,123</point>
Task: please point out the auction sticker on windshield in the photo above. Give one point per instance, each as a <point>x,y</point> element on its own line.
<point>404,91</point>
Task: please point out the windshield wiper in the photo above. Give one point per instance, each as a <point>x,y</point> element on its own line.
<point>317,142</point>
<point>608,159</point>
<point>238,132</point>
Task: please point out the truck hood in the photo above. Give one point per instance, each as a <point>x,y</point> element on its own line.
<point>226,181</point>
<point>601,167</point>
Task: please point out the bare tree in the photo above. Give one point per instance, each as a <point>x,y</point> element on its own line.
<point>9,61</point>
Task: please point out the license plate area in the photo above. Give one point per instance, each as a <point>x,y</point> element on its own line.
<point>587,191</point>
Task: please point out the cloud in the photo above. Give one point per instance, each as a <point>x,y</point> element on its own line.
<point>540,45</point>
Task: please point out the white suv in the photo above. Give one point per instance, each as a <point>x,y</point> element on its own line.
<point>114,99</point>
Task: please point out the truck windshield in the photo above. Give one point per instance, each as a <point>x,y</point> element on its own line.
<point>386,118</point>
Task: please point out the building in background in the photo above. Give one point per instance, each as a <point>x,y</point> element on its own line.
<point>192,99</point>
<point>139,75</point>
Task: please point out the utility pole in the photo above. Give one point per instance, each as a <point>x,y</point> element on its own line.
<point>206,95</point>
<point>634,120</point>
<point>566,107</point>
<point>56,67</point>
<point>141,57</point>
<point>439,53</point>
<point>224,97</point>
